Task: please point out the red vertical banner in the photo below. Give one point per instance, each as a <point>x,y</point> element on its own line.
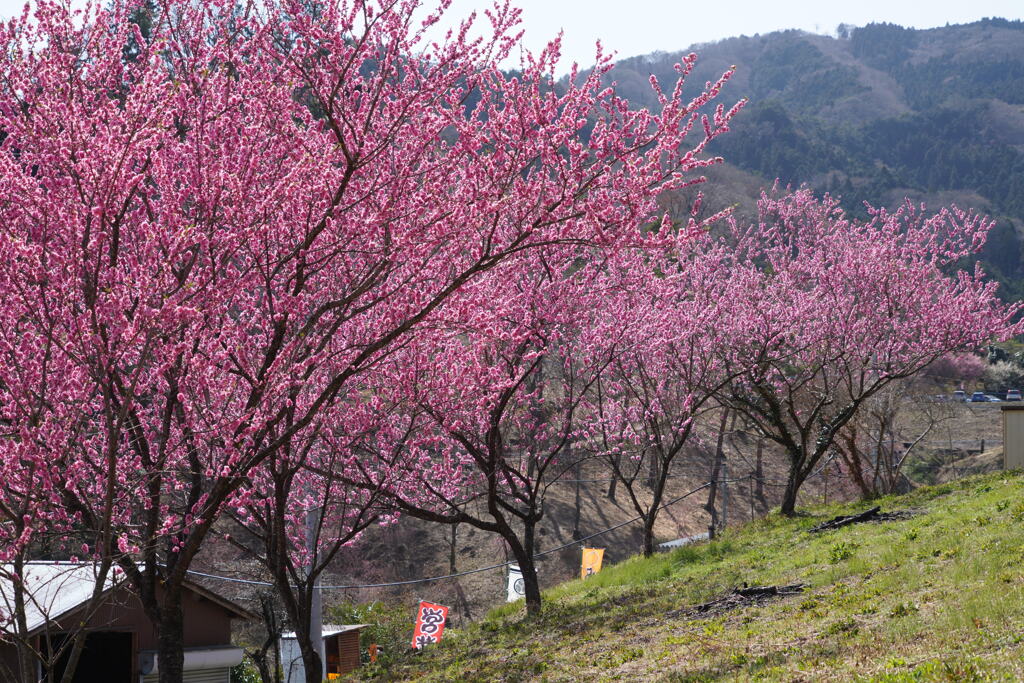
<point>430,620</point>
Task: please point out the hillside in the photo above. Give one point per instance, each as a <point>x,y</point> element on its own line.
<point>875,114</point>
<point>936,596</point>
<point>411,549</point>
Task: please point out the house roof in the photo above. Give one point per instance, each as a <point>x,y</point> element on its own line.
<point>52,590</point>
<point>55,589</point>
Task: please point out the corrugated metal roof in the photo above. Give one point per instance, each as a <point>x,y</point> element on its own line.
<point>685,540</point>
<point>329,630</point>
<point>52,590</point>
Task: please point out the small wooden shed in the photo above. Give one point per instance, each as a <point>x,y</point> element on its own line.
<point>341,652</point>
<point>121,642</point>
<point>1013,437</point>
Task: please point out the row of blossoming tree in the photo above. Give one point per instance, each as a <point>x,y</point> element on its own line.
<point>288,270</point>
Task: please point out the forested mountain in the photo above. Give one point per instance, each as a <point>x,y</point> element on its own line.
<point>874,114</point>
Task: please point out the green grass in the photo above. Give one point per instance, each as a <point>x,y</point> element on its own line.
<point>934,598</point>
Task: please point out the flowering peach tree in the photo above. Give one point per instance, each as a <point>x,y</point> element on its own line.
<point>217,216</point>
<point>836,309</point>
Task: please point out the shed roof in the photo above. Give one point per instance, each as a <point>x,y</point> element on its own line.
<point>685,540</point>
<point>329,630</point>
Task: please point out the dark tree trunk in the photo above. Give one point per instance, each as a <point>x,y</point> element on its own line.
<point>300,610</point>
<point>648,530</point>
<point>651,515</point>
<point>277,660</point>
<point>26,661</point>
<point>801,463</point>
<point>716,463</point>
<point>793,483</point>
<point>613,484</point>
<point>578,503</point>
<point>310,656</point>
<point>531,585</point>
<point>171,637</point>
<point>523,553</point>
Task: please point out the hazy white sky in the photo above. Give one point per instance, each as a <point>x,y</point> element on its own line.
<point>634,27</point>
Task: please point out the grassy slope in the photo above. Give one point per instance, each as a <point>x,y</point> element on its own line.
<point>936,597</point>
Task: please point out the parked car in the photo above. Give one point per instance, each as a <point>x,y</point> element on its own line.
<point>1013,395</point>
<point>960,396</point>
<point>979,397</point>
<point>993,399</point>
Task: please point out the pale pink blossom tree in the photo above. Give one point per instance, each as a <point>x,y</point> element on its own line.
<point>497,405</point>
<point>677,320</point>
<point>836,309</point>
<point>212,227</point>
<point>956,368</point>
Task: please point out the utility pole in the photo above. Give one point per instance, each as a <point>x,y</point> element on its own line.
<point>759,472</point>
<point>750,494</point>
<point>725,492</point>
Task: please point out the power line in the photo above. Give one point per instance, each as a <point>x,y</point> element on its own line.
<point>505,564</point>
<point>749,477</point>
<point>607,481</point>
<point>458,574</point>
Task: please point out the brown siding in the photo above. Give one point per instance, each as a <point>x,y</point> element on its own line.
<point>206,623</point>
<point>348,646</point>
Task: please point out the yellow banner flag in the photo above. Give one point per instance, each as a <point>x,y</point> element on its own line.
<point>591,561</point>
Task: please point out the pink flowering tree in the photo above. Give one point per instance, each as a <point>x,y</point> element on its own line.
<point>295,516</point>
<point>496,404</point>
<point>214,225</point>
<point>646,402</point>
<point>959,369</point>
<point>836,309</point>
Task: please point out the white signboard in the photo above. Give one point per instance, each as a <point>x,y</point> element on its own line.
<point>516,589</point>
